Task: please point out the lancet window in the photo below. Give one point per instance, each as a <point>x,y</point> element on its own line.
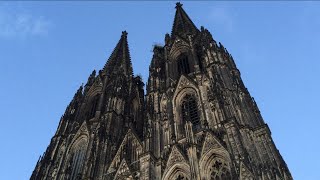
<point>183,64</point>
<point>76,161</point>
<point>189,110</point>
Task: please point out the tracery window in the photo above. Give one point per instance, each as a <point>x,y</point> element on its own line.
<point>76,161</point>
<point>183,64</point>
<point>189,110</point>
<point>219,170</point>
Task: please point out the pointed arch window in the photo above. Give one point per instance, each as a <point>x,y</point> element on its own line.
<point>179,175</point>
<point>77,163</point>
<point>189,110</point>
<point>183,64</point>
<point>76,160</point>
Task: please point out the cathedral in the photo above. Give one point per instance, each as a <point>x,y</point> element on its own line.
<point>196,121</point>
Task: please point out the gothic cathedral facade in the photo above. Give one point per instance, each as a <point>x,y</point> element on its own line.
<point>197,120</point>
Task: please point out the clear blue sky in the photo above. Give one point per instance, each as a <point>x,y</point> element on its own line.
<point>47,49</point>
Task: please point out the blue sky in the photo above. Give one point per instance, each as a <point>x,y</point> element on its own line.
<point>48,49</point>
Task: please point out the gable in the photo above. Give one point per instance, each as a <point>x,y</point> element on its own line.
<point>81,137</point>
<point>82,130</point>
<point>96,87</point>
<point>176,156</point>
<point>123,171</point>
<point>245,173</point>
<point>132,138</point>
<point>177,164</point>
<point>209,143</point>
<point>187,84</point>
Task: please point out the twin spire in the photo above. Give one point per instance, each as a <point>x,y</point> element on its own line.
<point>120,61</point>
<point>182,24</point>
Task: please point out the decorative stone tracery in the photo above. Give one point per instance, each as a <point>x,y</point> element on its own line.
<point>76,158</point>
<point>188,126</point>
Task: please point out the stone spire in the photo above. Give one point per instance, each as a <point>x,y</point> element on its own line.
<point>182,24</point>
<point>90,81</point>
<point>120,60</point>
<point>198,125</point>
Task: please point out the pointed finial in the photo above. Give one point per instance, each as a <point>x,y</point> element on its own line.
<point>182,24</point>
<point>120,57</point>
<point>167,39</point>
<point>178,4</point>
<point>124,33</point>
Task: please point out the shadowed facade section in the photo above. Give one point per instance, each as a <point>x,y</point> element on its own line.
<point>197,120</point>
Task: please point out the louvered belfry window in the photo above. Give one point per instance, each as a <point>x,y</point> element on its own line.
<point>183,64</point>
<point>190,110</point>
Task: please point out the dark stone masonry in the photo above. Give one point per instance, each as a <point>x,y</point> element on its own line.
<point>197,120</point>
